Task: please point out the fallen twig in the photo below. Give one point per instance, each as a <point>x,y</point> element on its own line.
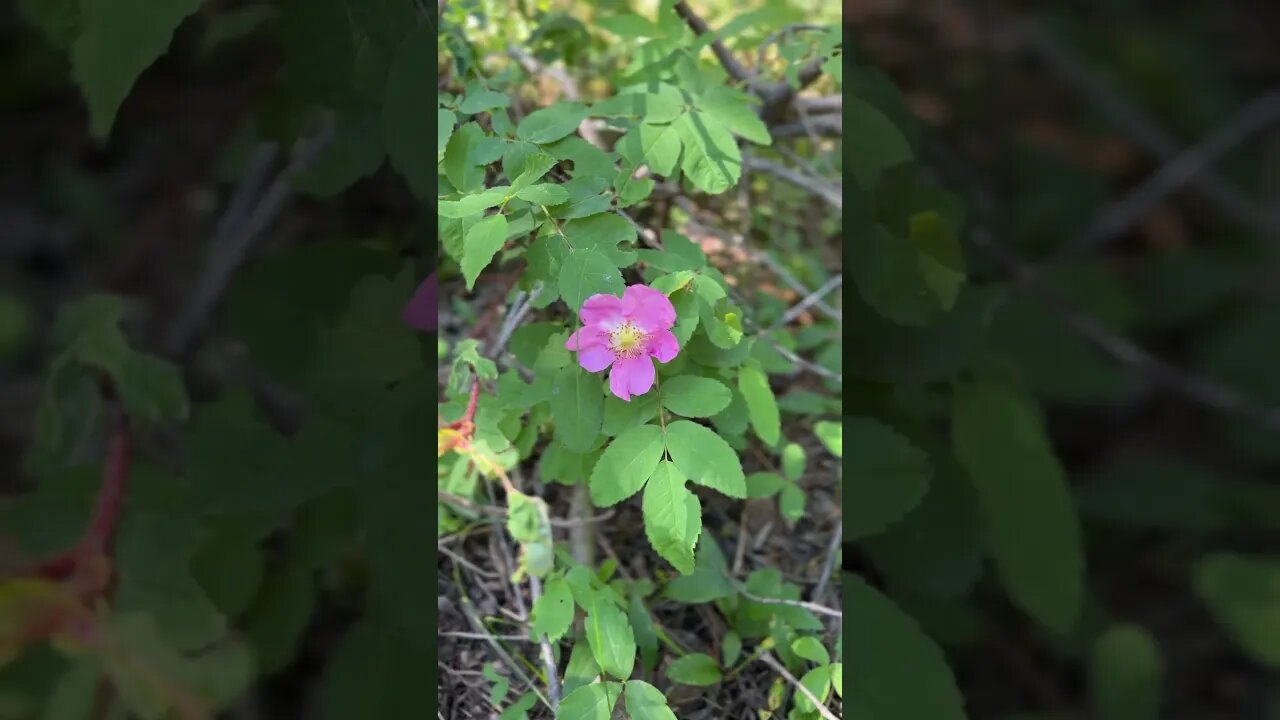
<point>831,194</point>
<point>768,659</point>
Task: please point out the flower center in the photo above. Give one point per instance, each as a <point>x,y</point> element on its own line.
<point>626,340</point>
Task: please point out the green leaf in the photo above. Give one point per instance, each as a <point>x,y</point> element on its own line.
<point>603,232</point>
<point>731,107</point>
<point>818,682</point>
<point>1033,531</point>
<point>731,648</point>
<point>877,144</point>
<point>120,39</point>
<point>811,648</point>
<point>793,461</point>
<point>672,516</point>
<point>659,145</point>
<point>367,349</point>
<point>762,407</point>
<point>642,625</point>
<point>907,554</point>
<point>895,670</point>
<point>791,503</point>
<point>1243,595</point>
<point>585,273</point>
<point>622,415</point>
<point>887,474</point>
<point>318,44</point>
<point>630,25</point>
<point>577,405</point>
<point>1125,675</point>
<point>484,100</point>
<point>609,634</point>
<point>764,484</point>
<point>712,160</point>
<point>646,702</point>
<point>939,256</point>
<point>708,581</point>
<point>544,194</point>
<point>887,271</point>
<point>625,465</point>
<point>483,241</point>
<point>354,151</point>
<point>58,19</point>
<point>280,615</point>
<point>373,673</point>
<point>552,614</point>
<point>317,278</point>
<point>460,169</point>
<point>657,104</point>
<point>406,113</point>
<point>694,396</point>
<point>694,669</point>
<point>705,458</point>
<point>590,702</point>
<point>551,123</point>
<point>582,668</point>
<point>473,204</point>
<point>668,284</point>
<point>230,568</point>
<point>832,434</point>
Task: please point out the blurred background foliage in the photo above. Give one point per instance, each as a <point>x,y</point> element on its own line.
<point>1044,118</point>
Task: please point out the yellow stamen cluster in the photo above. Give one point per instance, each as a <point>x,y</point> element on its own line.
<point>626,340</point>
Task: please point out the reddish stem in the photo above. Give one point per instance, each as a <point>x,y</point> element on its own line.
<point>115,480</point>
<point>466,424</point>
<point>96,541</point>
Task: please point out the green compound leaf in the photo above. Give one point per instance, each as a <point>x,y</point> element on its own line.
<point>705,458</point>
<point>625,465</point>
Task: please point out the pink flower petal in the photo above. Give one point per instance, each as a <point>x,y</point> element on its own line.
<point>663,345</point>
<point>631,376</point>
<point>584,338</point>
<point>602,309</point>
<point>595,358</point>
<point>593,351</point>
<point>648,308</point>
<point>420,312</point>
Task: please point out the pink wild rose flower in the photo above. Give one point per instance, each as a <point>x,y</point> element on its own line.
<point>420,312</point>
<point>626,332</point>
